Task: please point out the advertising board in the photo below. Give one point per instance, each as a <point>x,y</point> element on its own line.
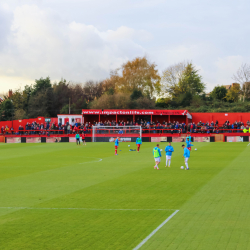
<point>72,139</point>
<point>201,139</point>
<point>33,139</point>
<point>179,139</point>
<point>122,139</point>
<point>53,139</point>
<point>13,139</point>
<point>234,139</point>
<point>158,139</point>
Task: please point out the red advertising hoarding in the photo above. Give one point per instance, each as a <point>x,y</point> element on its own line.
<point>33,139</point>
<point>13,139</point>
<point>53,139</point>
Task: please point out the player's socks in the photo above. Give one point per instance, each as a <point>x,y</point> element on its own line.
<point>169,162</point>
<point>116,151</point>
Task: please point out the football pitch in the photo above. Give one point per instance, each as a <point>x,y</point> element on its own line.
<point>63,196</point>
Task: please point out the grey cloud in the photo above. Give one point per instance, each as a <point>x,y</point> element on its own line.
<point>84,39</point>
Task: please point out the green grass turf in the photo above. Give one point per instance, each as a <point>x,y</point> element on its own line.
<point>212,197</point>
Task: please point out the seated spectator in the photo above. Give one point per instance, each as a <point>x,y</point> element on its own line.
<point>245,130</point>
<point>6,130</point>
<point>75,129</point>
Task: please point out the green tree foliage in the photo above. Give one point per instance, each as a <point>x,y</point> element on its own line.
<point>136,94</point>
<point>17,99</point>
<point>233,93</point>
<point>191,81</point>
<point>122,101</point>
<point>181,79</point>
<point>61,94</point>
<point>93,90</point>
<point>116,101</point>
<point>110,91</point>
<point>219,93</point>
<point>197,101</point>
<point>41,85</point>
<point>26,98</point>
<point>19,114</point>
<point>6,110</point>
<point>144,103</point>
<point>163,102</point>
<point>73,109</point>
<point>133,86</point>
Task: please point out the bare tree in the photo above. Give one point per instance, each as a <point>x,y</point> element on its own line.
<point>242,77</point>
<point>171,77</point>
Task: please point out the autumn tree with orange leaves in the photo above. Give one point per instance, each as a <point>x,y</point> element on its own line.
<point>138,74</point>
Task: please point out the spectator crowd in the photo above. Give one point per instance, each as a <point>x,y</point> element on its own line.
<point>147,127</point>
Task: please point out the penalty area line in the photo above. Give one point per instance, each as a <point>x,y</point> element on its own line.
<point>158,228</point>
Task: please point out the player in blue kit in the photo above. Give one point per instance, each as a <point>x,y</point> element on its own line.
<point>189,145</point>
<point>186,156</point>
<point>189,138</point>
<point>138,143</point>
<point>169,150</point>
<point>116,145</point>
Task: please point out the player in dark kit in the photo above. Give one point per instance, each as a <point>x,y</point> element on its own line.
<point>83,139</point>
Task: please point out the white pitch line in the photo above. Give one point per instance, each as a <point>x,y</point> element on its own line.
<point>91,161</point>
<point>159,227</point>
<point>81,208</point>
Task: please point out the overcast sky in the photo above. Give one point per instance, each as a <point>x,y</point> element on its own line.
<point>82,40</point>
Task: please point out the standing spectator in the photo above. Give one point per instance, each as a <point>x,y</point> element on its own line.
<point>68,129</point>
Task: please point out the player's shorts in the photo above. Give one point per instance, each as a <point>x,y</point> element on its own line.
<point>186,159</point>
<point>116,147</point>
<point>168,157</point>
<point>138,145</point>
<point>189,148</point>
<point>158,159</point>
<point>77,139</point>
